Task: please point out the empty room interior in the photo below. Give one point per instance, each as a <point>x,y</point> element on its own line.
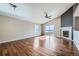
<point>39,29</point>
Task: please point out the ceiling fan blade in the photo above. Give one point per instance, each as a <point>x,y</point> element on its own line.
<point>50,16</point>
<point>46,15</point>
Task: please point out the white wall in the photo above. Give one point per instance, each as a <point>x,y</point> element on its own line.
<point>13,29</point>
<point>57,23</point>
<point>76,38</point>
<point>0,30</point>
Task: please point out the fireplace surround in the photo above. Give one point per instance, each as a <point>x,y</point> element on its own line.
<point>66,32</point>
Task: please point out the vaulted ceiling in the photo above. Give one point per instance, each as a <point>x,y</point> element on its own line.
<point>76,13</point>
<point>34,12</point>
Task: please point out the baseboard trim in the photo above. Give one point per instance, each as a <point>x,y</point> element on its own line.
<point>17,39</point>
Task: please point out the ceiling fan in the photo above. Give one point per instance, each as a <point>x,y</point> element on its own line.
<point>13,5</point>
<point>47,16</point>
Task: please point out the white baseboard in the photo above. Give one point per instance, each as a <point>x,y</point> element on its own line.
<point>11,40</point>
<point>15,39</point>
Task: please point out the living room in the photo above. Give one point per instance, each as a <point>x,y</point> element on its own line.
<point>39,29</point>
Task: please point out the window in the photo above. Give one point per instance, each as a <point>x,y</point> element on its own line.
<point>36,28</point>
<point>49,28</point>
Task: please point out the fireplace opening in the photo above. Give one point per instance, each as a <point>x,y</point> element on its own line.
<point>66,33</point>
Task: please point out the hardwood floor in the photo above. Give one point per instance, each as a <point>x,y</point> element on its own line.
<point>39,46</point>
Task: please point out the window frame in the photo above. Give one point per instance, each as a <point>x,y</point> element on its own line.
<point>49,26</point>
<point>36,28</point>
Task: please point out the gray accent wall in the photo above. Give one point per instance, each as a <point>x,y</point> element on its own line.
<point>67,18</point>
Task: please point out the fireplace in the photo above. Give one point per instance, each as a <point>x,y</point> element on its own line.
<point>66,32</point>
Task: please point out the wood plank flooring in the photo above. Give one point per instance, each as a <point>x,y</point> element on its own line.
<point>39,46</point>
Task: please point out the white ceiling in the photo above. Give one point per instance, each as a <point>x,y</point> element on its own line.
<point>76,13</point>
<point>34,12</point>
